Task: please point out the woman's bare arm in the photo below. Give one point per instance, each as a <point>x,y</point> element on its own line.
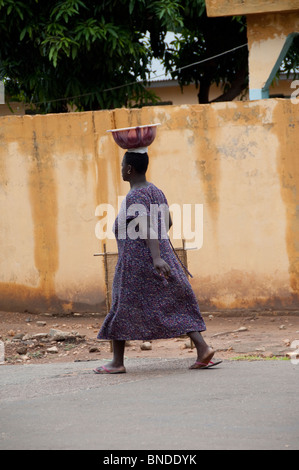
<point>148,233</point>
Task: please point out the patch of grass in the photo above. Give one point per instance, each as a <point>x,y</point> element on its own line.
<point>69,346</point>
<point>259,358</point>
<point>10,359</point>
<point>36,355</point>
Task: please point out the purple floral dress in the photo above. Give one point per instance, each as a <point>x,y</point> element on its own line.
<point>146,305</point>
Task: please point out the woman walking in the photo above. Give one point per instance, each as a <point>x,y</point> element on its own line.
<point>151,296</point>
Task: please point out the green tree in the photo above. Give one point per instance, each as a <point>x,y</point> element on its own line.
<point>203,37</point>
<point>79,48</point>
<point>62,52</point>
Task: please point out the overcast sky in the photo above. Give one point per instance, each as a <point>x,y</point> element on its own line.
<point>157,66</point>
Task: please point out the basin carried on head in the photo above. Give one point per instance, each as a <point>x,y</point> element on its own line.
<point>139,137</point>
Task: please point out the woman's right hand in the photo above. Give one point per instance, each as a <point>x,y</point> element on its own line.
<point>162,267</point>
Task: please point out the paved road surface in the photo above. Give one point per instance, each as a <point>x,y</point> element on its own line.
<point>158,405</point>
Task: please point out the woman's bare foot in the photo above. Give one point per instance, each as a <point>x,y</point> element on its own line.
<point>203,360</point>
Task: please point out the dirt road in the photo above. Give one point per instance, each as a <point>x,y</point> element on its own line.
<point>30,338</point>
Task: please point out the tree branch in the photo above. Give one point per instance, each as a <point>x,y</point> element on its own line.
<point>237,86</point>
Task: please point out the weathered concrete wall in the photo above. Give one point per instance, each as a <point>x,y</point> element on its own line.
<point>269,38</point>
<point>240,160</point>
<point>247,7</point>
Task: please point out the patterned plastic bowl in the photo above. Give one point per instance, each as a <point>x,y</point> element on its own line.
<point>135,137</point>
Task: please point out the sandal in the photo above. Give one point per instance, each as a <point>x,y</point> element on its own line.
<point>104,370</point>
<point>206,366</point>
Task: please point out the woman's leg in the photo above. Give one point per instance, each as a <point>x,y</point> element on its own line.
<point>204,352</point>
<point>118,353</point>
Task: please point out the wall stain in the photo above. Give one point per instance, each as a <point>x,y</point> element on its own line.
<point>106,164</point>
<point>3,169</point>
<point>208,160</point>
<point>271,25</point>
<point>18,298</point>
<point>246,290</point>
<point>43,198</point>
<point>41,150</point>
<point>288,169</point>
<point>101,163</point>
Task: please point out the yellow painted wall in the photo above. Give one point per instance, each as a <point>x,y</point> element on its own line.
<point>267,35</point>
<point>237,159</point>
<point>246,7</point>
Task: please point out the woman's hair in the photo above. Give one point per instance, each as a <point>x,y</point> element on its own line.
<point>139,161</point>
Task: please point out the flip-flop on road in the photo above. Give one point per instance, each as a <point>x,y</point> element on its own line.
<point>105,370</point>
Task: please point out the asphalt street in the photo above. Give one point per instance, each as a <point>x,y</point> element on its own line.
<point>158,405</point>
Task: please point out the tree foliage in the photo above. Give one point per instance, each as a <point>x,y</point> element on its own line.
<point>79,48</point>
<point>62,52</point>
<point>202,38</point>
<point>291,62</point>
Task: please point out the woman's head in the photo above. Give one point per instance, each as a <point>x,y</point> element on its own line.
<point>134,164</point>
